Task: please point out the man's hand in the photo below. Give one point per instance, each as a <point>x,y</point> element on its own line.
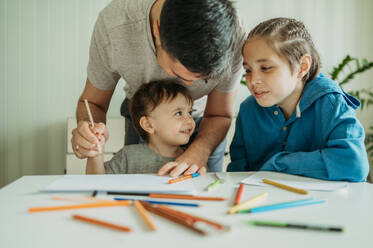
<point>85,139</point>
<point>189,162</point>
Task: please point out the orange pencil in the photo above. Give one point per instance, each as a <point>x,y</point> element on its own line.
<point>144,215</point>
<point>86,205</point>
<point>182,178</point>
<point>187,222</point>
<point>193,218</point>
<point>189,197</point>
<point>101,223</point>
<point>80,199</point>
<point>239,194</point>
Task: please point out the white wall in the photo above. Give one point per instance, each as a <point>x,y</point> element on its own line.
<point>43,57</point>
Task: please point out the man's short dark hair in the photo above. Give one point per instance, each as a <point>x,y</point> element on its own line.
<point>149,96</point>
<point>200,34</point>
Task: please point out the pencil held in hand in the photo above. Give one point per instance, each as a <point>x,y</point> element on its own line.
<point>182,178</point>
<point>92,123</point>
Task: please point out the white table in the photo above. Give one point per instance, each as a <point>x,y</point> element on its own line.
<point>351,207</point>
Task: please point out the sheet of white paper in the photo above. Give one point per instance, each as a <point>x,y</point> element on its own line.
<point>136,183</point>
<point>294,181</point>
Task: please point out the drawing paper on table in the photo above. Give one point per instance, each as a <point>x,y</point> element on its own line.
<point>293,181</point>
<point>136,183</point>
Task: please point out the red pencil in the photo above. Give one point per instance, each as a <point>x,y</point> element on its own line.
<point>239,194</point>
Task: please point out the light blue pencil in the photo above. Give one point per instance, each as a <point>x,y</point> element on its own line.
<point>298,203</point>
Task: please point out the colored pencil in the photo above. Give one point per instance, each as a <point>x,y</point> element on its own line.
<point>86,205</point>
<point>172,217</point>
<point>101,223</point>
<point>169,196</point>
<point>162,202</point>
<point>295,225</point>
<point>126,193</point>
<point>194,218</point>
<point>183,178</point>
<point>283,205</point>
<point>189,197</point>
<point>218,181</point>
<point>144,215</point>
<point>213,185</point>
<point>80,199</point>
<point>285,187</point>
<point>249,203</point>
<point>239,194</point>
<point>92,123</point>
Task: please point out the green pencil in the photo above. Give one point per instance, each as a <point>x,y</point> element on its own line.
<point>297,226</point>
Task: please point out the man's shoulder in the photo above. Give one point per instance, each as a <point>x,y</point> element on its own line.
<point>124,12</point>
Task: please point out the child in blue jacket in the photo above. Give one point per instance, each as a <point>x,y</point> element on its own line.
<point>296,121</point>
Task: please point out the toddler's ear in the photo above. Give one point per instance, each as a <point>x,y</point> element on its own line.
<point>305,65</point>
<point>146,124</point>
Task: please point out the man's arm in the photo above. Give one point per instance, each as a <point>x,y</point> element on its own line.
<point>212,130</point>
<point>99,101</point>
<point>84,139</point>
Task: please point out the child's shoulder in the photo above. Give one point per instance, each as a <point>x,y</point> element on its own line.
<point>326,93</point>
<point>136,148</point>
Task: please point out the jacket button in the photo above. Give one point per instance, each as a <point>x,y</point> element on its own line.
<point>284,128</point>
<point>275,112</point>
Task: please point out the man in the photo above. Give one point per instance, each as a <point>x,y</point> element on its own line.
<point>197,41</point>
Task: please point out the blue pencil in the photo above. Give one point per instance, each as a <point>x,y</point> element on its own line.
<point>162,202</point>
<point>298,203</point>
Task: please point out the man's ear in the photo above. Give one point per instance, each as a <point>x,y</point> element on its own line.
<point>305,65</point>
<point>146,124</point>
<point>156,33</point>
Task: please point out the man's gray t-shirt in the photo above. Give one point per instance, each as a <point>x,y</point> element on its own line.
<point>122,47</point>
<point>133,159</point>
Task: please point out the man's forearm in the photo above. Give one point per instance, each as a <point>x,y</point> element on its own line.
<point>97,113</point>
<point>212,131</point>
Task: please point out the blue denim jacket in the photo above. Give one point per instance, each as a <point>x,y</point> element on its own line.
<point>325,142</point>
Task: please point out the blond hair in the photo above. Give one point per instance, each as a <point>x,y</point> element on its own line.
<point>291,40</point>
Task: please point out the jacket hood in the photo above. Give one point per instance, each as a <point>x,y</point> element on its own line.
<point>322,86</point>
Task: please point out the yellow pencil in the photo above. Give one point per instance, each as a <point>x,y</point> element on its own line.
<point>86,205</point>
<point>249,203</point>
<point>144,215</point>
<point>286,187</point>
